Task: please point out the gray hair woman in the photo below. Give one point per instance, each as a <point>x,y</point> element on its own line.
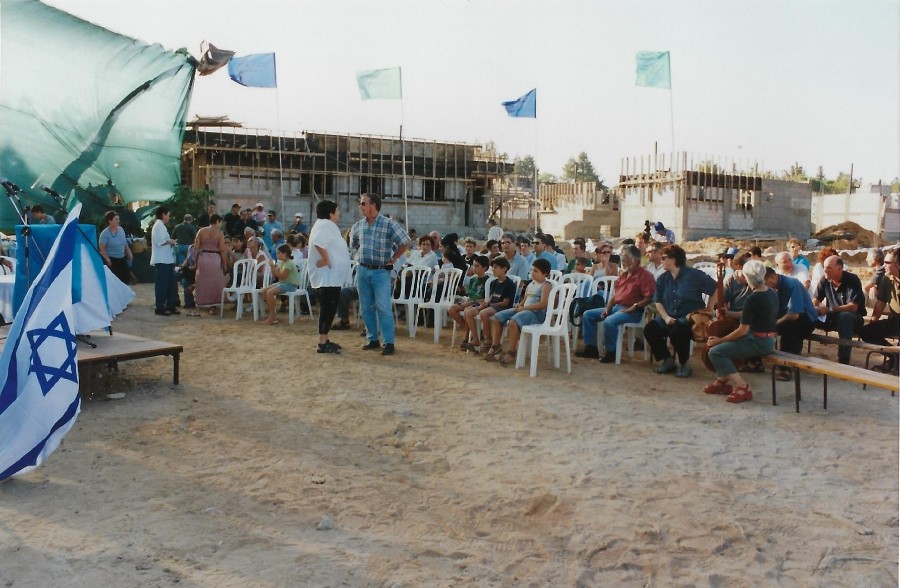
<point>754,337</point>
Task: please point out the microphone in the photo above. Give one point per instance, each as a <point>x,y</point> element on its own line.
<point>6,183</point>
<point>50,191</point>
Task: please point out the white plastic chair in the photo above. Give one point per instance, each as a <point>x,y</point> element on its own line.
<point>302,290</point>
<point>449,278</point>
<point>243,281</point>
<point>555,325</point>
<point>605,284</point>
<point>627,335</point>
<point>412,293</point>
<point>266,282</point>
<point>707,267</point>
<point>555,275</point>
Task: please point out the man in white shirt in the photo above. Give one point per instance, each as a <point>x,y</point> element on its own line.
<point>654,259</point>
<point>785,266</point>
<point>494,230</point>
<point>162,256</point>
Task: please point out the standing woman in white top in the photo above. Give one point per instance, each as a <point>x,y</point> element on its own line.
<point>329,268</point>
<point>162,255</point>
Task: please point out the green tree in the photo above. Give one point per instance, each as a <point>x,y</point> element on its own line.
<point>524,166</point>
<point>547,178</point>
<point>895,185</point>
<point>185,201</point>
<point>580,169</point>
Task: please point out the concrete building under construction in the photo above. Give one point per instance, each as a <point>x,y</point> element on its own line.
<point>448,185</point>
<point>710,199</point>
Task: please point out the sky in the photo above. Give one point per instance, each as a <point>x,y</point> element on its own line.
<point>771,82</point>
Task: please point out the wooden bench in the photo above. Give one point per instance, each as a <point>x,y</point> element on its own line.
<point>827,368</point>
<point>885,351</point>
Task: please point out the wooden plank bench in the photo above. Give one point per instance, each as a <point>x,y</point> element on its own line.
<point>827,368</point>
<point>109,350</point>
<point>884,350</point>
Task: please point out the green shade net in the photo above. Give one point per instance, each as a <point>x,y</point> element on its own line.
<point>94,115</point>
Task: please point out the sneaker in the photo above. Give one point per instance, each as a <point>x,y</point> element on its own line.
<point>608,358</point>
<point>668,365</point>
<point>589,351</point>
<point>388,349</point>
<point>372,345</point>
<point>684,371</point>
<point>163,312</point>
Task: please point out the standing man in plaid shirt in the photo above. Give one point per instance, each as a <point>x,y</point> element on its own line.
<point>379,243</point>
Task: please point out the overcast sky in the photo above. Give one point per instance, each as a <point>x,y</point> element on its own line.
<point>774,82</point>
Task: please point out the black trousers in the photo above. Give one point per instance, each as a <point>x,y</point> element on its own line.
<point>328,303</point>
<point>657,332</point>
<point>876,332</point>
<point>793,333</point>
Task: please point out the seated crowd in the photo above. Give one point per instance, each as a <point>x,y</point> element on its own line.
<point>507,283</point>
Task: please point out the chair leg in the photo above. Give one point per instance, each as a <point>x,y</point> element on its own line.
<point>291,309</point>
<point>535,350</point>
<point>520,352</point>
<point>568,356</point>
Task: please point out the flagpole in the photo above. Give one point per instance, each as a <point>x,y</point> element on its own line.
<point>403,158</point>
<point>280,145</point>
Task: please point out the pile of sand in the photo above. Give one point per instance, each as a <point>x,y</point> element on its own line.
<point>847,235</point>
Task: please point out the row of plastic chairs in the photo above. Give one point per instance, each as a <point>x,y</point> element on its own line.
<point>243,283</point>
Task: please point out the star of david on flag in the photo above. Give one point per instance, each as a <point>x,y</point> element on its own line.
<point>39,399</point>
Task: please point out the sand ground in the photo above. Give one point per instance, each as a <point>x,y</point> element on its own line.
<point>439,469</point>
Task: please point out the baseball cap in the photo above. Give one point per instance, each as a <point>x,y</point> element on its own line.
<point>298,215</point>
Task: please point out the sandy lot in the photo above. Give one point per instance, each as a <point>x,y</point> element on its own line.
<point>439,469</point>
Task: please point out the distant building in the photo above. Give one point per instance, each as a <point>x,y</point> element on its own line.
<point>704,200</point>
<point>447,184</point>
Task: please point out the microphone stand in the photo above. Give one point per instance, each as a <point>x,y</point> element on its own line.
<point>12,192</point>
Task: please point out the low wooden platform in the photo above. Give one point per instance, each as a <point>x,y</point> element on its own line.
<point>111,349</point>
<point>826,368</point>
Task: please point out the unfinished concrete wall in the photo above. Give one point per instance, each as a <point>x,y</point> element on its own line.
<point>638,204</point>
<point>872,211</point>
<point>783,208</point>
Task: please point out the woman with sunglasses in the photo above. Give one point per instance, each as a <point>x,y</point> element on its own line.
<point>602,264</point>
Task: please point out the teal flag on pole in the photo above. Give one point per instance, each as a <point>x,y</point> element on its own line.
<point>380,84</point>
<point>524,106</point>
<point>653,69</point>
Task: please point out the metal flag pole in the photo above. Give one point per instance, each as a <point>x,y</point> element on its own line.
<point>403,158</point>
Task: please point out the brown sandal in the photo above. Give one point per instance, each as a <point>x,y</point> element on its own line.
<point>493,353</point>
<point>508,358</point>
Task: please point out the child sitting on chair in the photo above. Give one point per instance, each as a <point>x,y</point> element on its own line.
<point>530,311</point>
<point>285,271</point>
<point>503,292</point>
<point>475,301</point>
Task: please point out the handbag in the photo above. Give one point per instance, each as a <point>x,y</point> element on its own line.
<point>699,321</point>
<point>582,305</point>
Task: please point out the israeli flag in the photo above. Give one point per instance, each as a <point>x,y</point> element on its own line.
<point>39,398</point>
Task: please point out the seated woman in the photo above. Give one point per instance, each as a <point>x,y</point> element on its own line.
<point>602,265</point>
<point>463,313</point>
<point>256,250</point>
<point>531,310</point>
<point>679,292</point>
<point>285,271</point>
<point>753,338</point>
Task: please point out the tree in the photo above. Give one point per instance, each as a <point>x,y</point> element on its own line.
<point>580,169</point>
<point>186,201</point>
<point>547,178</point>
<point>524,166</point>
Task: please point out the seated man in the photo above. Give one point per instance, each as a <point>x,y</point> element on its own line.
<point>841,304</point>
<point>879,329</point>
<point>875,260</point>
<point>679,292</point>
<point>578,250</point>
<point>785,266</point>
<point>633,292</point>
<point>796,315</point>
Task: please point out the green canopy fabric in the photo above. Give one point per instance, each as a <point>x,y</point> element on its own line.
<point>90,113</point>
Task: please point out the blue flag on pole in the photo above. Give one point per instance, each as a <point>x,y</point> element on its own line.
<point>255,71</point>
<point>653,69</point>
<point>524,107</point>
<point>380,84</point>
<point>39,398</point>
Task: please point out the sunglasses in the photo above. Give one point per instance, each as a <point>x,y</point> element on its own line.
<point>536,242</point>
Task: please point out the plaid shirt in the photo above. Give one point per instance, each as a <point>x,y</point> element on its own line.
<point>376,242</point>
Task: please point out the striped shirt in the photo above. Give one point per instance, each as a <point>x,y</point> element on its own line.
<point>377,241</point>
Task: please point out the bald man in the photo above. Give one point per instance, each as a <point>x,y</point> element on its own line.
<point>840,300</point>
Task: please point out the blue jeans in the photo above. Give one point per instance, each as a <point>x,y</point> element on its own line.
<point>181,252</point>
<point>375,301</point>
<point>611,324</point>
<point>166,286</point>
<point>749,345</point>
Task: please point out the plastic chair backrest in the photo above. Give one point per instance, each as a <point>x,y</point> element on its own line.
<point>243,274</point>
<point>303,271</point>
<point>561,297</point>
<point>450,277</point>
<point>708,267</point>
<point>555,275</point>
<point>267,272</point>
<point>352,279</point>
<point>583,281</point>
<point>412,283</point>
<point>606,284</point>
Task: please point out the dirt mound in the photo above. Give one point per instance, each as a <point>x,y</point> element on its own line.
<point>847,235</point>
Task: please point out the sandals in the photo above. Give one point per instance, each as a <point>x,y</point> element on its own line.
<point>493,353</point>
<point>783,374</point>
<point>466,346</point>
<point>718,387</point>
<point>753,365</point>
<point>485,347</point>
<point>508,358</point>
<point>740,394</point>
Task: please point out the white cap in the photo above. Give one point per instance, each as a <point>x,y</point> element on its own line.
<point>259,205</point>
<point>299,214</point>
